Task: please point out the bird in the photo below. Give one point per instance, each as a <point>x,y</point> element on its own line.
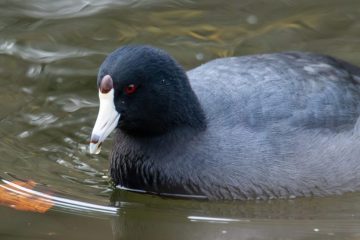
<point>264,126</point>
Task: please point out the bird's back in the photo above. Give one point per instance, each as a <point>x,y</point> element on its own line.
<point>302,89</point>
<point>280,124</point>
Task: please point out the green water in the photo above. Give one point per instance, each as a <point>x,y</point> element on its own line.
<point>49,55</point>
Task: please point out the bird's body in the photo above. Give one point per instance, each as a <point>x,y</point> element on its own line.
<point>277,125</point>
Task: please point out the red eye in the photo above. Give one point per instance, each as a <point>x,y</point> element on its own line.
<point>130,89</point>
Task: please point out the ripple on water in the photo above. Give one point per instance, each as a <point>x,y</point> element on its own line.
<point>34,71</point>
<point>74,165</point>
<point>73,104</point>
<point>41,119</point>
<point>61,9</point>
<point>30,53</point>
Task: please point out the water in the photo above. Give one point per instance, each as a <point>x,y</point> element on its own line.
<point>49,55</point>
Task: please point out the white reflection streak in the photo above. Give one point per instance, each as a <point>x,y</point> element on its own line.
<point>14,191</point>
<point>214,219</point>
<point>63,202</point>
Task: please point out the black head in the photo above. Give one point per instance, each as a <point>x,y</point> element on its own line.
<point>152,93</point>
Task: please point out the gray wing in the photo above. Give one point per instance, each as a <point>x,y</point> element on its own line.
<point>298,89</point>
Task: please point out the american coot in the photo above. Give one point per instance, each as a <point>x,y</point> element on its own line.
<point>262,126</point>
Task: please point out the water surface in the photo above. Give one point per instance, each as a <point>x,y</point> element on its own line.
<point>49,55</point>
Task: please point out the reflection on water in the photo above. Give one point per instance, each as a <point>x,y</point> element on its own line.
<point>42,202</point>
<point>327,218</point>
<point>135,216</point>
<point>49,55</point>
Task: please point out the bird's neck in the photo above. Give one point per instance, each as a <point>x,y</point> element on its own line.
<point>146,164</point>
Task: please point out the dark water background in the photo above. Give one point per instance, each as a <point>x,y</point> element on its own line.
<point>49,55</point>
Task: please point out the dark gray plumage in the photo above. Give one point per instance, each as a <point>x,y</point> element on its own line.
<point>269,126</point>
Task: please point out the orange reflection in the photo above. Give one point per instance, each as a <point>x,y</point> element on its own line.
<point>15,198</point>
